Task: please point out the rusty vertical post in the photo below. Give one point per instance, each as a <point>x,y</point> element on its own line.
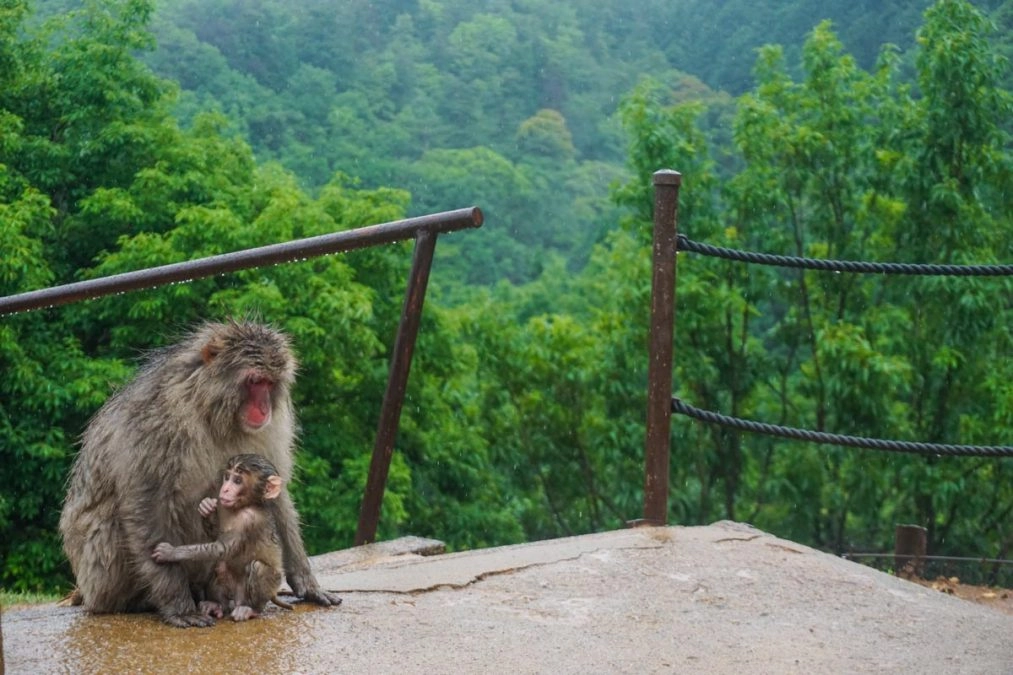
<point>397,384</point>
<point>909,547</point>
<point>662,329</point>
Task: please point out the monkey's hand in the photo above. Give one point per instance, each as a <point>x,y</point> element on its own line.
<point>210,608</point>
<point>164,553</point>
<point>207,506</point>
<point>307,588</point>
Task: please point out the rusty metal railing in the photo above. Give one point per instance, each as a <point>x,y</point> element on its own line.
<point>424,229</point>
<point>657,445</point>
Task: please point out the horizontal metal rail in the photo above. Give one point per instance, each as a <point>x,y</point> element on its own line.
<point>299,249</point>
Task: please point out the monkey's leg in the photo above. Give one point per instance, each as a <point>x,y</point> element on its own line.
<point>209,596</point>
<point>169,591</point>
<point>219,592</point>
<point>246,592</point>
<point>105,583</point>
<point>297,564</point>
<point>262,582</point>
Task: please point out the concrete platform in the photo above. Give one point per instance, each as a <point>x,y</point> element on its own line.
<point>725,598</point>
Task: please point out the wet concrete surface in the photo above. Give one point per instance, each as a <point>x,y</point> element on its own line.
<point>725,598</point>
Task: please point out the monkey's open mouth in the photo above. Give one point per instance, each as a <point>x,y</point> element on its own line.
<point>257,411</point>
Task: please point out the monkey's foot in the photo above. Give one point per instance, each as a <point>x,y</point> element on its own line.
<point>189,620</point>
<point>210,608</point>
<point>305,586</point>
<point>75,598</point>
<point>243,613</point>
<point>322,597</point>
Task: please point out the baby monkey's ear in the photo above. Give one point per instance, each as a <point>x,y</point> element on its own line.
<point>273,487</point>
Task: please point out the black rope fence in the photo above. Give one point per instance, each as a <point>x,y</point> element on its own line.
<point>679,406</point>
<point>860,267</point>
<point>686,244</point>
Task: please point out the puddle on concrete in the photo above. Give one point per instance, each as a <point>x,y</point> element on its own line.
<point>76,642</point>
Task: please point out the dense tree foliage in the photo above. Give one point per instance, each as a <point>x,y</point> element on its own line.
<point>524,416</point>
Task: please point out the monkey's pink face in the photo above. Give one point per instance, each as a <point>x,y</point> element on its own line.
<point>256,412</point>
<point>231,494</point>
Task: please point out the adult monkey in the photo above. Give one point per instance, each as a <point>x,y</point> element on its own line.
<point>154,450</point>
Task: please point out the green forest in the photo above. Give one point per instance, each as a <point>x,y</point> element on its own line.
<point>136,133</point>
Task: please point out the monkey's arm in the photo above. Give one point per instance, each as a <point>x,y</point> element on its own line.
<point>237,529</point>
<point>167,553</point>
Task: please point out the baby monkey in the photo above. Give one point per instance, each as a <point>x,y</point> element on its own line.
<point>248,552</point>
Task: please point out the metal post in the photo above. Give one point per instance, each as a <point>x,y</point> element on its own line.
<point>662,329</point>
<point>909,548</point>
<point>397,383</point>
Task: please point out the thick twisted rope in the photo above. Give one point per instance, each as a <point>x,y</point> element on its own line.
<point>682,408</point>
<point>686,244</point>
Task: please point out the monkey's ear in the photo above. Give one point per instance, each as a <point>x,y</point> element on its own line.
<point>210,350</point>
<point>273,487</point>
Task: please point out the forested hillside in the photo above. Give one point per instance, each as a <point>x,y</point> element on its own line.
<point>511,104</point>
<point>135,134</point>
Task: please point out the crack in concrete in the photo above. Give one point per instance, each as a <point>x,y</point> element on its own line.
<point>482,576</point>
<point>721,541</point>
